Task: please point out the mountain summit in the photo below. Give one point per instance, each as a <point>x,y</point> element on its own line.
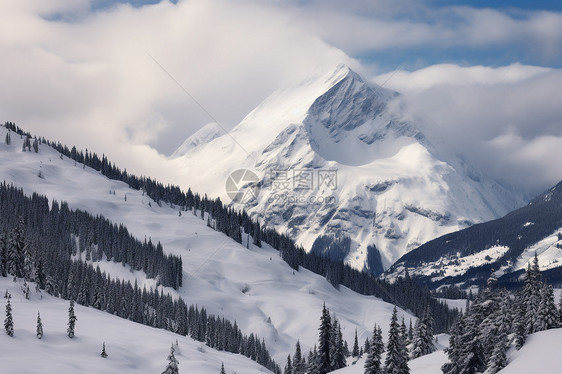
<point>338,158</point>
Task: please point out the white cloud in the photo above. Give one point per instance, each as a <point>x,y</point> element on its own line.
<point>85,78</point>
<point>508,119</point>
<point>370,27</point>
<point>90,81</point>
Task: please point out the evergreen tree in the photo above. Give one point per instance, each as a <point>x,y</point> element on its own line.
<point>288,366</point>
<point>3,256</point>
<point>222,368</point>
<point>299,364</point>
<point>39,326</point>
<point>17,245</point>
<point>337,353</point>
<point>172,367</point>
<point>323,358</point>
<point>9,321</point>
<point>396,361</point>
<point>498,359</point>
<point>404,332</point>
<point>311,364</point>
<point>355,352</point>
<point>373,364</point>
<point>422,343</point>
<point>71,320</point>
<point>103,352</point>
<point>548,314</point>
<point>8,138</point>
<point>531,297</point>
<point>519,323</point>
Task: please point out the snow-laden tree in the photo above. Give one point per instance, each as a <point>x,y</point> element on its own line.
<point>288,366</point>
<point>222,368</point>
<point>71,320</point>
<point>39,330</point>
<point>323,357</point>
<point>396,361</point>
<point>373,364</point>
<point>172,367</point>
<point>549,316</point>
<point>299,364</point>
<point>422,337</point>
<point>103,352</point>
<point>9,321</point>
<point>337,350</point>
<point>355,351</point>
<point>17,244</point>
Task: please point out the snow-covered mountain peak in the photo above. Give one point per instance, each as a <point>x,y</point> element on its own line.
<point>395,188</point>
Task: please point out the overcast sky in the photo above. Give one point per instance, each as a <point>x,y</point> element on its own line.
<point>486,80</point>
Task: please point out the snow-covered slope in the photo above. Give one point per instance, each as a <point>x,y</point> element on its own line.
<point>339,156</point>
<point>538,355</point>
<point>253,287</point>
<point>131,347</point>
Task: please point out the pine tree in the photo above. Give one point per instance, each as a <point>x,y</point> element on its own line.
<point>172,367</point>
<point>422,343</point>
<point>396,361</point>
<point>531,294</point>
<point>103,352</point>
<point>288,366</point>
<point>222,369</point>
<point>324,361</point>
<point>71,320</point>
<point>373,364</point>
<point>39,326</point>
<point>17,245</point>
<point>9,321</point>
<point>337,353</point>
<point>298,360</point>
<point>8,138</point>
<point>355,352</point>
<point>498,359</point>
<point>548,314</point>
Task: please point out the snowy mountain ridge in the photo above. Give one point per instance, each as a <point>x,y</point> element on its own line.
<point>506,245</point>
<point>391,189</point>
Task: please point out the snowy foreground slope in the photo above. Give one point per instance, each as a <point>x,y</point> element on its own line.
<point>538,355</point>
<point>393,188</point>
<point>132,347</point>
<point>253,287</point>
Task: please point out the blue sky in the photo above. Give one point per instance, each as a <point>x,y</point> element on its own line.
<point>410,57</point>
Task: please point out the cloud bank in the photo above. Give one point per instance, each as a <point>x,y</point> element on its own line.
<point>85,76</point>
<point>508,119</point>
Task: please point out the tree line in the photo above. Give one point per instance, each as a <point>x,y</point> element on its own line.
<point>495,321</point>
<point>223,218</point>
<point>40,244</point>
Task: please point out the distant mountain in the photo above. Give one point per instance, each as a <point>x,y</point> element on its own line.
<point>505,245</point>
<point>204,135</point>
<point>338,157</point>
